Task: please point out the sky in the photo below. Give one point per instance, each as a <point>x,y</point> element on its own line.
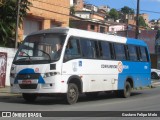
<point>151,7</point>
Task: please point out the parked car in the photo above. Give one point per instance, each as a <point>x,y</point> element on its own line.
<point>155,74</point>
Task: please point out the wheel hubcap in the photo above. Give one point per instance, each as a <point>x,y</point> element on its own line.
<point>72,94</point>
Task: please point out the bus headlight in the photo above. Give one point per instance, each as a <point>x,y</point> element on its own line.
<point>49,74</point>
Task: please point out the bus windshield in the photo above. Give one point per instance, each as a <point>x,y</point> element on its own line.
<point>40,49</point>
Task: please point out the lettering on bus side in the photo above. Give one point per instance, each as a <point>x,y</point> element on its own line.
<point>108,66</point>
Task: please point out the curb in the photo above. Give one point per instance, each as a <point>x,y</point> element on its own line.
<point>155,83</point>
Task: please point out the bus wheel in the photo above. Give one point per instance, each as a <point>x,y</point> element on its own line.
<point>72,94</point>
<point>29,97</point>
<point>127,90</point>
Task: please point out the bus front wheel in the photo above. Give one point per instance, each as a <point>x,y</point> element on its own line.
<point>29,97</point>
<point>72,93</point>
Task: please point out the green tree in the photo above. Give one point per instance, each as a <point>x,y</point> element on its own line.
<point>125,13</point>
<point>8,18</point>
<point>142,22</point>
<point>72,10</point>
<point>127,10</point>
<point>113,14</point>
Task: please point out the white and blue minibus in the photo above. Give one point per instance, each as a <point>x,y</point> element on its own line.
<point>69,62</point>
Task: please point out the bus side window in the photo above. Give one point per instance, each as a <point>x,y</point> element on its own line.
<point>88,48</point>
<point>105,52</point>
<point>143,53</point>
<point>133,56</point>
<point>119,51</point>
<point>94,49</point>
<point>72,49</point>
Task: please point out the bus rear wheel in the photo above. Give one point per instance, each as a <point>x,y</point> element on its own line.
<point>72,94</point>
<point>29,97</point>
<point>127,90</point>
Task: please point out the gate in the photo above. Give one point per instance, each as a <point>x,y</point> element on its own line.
<point>3,68</point>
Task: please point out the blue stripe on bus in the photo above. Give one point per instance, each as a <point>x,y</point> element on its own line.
<point>139,72</point>
<point>29,71</point>
<point>135,42</point>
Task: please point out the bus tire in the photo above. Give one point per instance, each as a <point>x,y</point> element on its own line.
<point>72,93</point>
<point>29,97</point>
<point>127,90</point>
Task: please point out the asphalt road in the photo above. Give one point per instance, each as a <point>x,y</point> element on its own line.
<point>141,100</point>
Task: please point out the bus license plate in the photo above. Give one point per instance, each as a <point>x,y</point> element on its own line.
<point>26,82</point>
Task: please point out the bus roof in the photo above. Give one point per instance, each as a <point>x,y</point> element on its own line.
<point>91,35</point>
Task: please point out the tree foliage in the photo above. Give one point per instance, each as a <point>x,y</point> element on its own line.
<point>142,22</point>
<point>127,10</point>
<point>8,18</point>
<point>113,14</point>
<point>72,10</point>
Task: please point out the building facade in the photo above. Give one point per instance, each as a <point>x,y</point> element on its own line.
<point>78,4</point>
<point>89,15</point>
<point>88,24</point>
<point>44,14</point>
<point>146,35</point>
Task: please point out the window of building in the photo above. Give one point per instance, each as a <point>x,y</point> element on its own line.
<point>31,25</point>
<point>102,29</point>
<point>74,2</point>
<point>119,51</point>
<point>112,29</point>
<point>92,27</point>
<point>54,24</point>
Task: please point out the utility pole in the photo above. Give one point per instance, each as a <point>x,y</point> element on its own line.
<point>137,21</point>
<point>127,26</point>
<point>17,24</point>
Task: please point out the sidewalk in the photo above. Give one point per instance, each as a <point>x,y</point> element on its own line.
<point>5,91</point>
<point>155,83</point>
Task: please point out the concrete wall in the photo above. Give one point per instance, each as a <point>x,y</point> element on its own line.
<point>10,55</point>
<point>116,28</point>
<point>146,35</point>
<point>85,15</point>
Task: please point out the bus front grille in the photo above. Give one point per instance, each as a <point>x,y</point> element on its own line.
<point>28,76</point>
<point>28,86</point>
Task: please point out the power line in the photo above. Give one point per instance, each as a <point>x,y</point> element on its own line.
<point>143,10</point>
<point>50,10</point>
<point>150,11</point>
<point>53,4</point>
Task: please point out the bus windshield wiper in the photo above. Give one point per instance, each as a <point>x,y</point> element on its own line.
<point>27,55</point>
<point>45,53</point>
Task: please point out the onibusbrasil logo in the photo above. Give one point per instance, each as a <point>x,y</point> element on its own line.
<point>120,67</point>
